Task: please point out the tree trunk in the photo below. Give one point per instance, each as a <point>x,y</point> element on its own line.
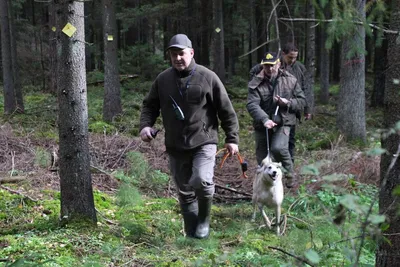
<point>380,66</point>
<point>112,95</point>
<point>324,64</point>
<point>274,25</point>
<point>219,53</point>
<point>8,80</point>
<point>52,49</point>
<point>388,253</point>
<point>351,102</point>
<point>205,44</point>
<point>19,100</point>
<point>310,56</point>
<point>261,17</point>
<point>253,32</point>
<point>336,61</point>
<point>77,201</point>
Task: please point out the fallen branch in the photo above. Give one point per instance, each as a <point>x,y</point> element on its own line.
<point>104,217</point>
<point>232,190</point>
<point>12,179</point>
<point>95,169</point>
<point>225,198</point>
<point>121,79</point>
<point>293,256</point>
<point>17,193</point>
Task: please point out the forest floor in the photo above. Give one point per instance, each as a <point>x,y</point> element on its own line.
<point>151,230</point>
<point>108,153</point>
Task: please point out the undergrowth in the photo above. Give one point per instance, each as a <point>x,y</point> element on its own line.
<point>139,226</point>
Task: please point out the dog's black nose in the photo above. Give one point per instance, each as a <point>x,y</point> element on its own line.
<point>274,173</point>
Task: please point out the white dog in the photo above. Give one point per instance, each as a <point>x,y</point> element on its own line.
<point>268,191</point>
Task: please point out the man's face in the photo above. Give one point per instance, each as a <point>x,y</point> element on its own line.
<point>290,57</point>
<point>271,70</point>
<point>181,58</point>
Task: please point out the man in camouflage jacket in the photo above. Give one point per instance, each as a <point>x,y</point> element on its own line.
<point>271,91</point>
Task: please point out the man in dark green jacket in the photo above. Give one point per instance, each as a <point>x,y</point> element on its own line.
<point>274,97</point>
<point>192,101</point>
<point>298,70</point>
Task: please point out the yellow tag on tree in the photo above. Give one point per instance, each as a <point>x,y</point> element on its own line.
<point>69,29</point>
<point>110,38</point>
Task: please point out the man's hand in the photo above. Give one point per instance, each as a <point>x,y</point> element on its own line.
<point>282,102</point>
<point>145,134</point>
<point>232,148</point>
<point>269,124</point>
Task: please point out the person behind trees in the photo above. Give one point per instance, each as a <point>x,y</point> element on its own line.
<point>298,70</point>
<point>192,100</point>
<point>274,90</point>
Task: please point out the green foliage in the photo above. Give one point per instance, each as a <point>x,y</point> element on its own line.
<point>142,176</point>
<point>346,20</point>
<point>39,119</point>
<point>101,127</point>
<point>128,195</point>
<point>42,157</point>
<point>94,76</point>
<point>140,59</point>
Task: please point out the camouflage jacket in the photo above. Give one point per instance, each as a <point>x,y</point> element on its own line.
<point>260,100</point>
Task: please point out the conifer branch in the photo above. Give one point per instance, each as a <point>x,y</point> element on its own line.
<point>332,20</point>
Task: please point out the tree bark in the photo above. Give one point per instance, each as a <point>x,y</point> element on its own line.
<point>380,66</point>
<point>388,253</point>
<point>351,102</point>
<point>324,64</point>
<point>205,33</point>
<point>19,100</point>
<point>77,201</point>
<point>52,49</point>
<point>253,31</point>
<point>336,61</point>
<point>8,80</point>
<point>310,55</point>
<point>112,95</point>
<point>218,32</point>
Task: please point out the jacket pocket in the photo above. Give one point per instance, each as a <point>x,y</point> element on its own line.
<point>193,94</point>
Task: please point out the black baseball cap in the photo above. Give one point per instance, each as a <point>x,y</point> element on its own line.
<point>180,41</point>
<point>270,58</point>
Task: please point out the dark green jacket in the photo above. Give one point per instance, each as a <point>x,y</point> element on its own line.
<point>260,99</point>
<point>203,100</point>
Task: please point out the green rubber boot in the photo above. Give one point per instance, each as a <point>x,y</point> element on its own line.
<point>189,213</point>
<point>203,224</point>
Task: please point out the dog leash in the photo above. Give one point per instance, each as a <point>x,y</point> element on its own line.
<point>266,131</point>
<point>243,163</point>
<point>268,154</point>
